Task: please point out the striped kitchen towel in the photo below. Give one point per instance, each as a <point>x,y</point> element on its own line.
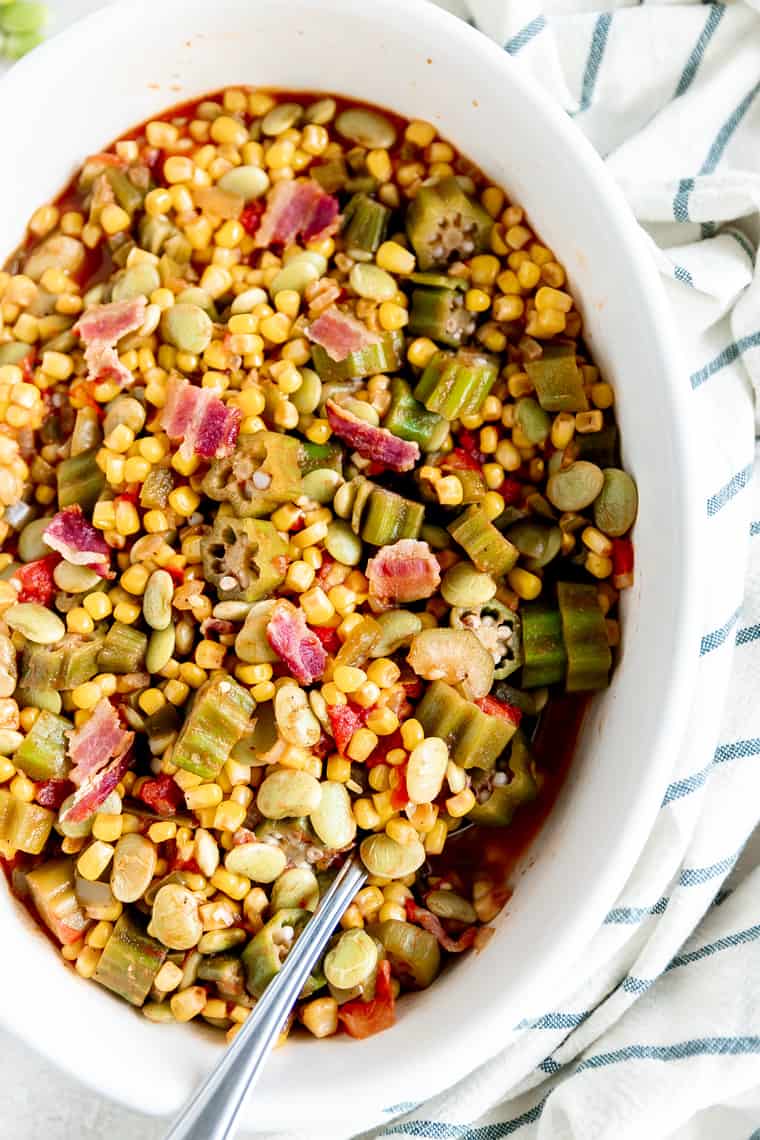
<point>658,1034</point>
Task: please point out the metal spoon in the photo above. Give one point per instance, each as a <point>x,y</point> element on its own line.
<point>212,1112</point>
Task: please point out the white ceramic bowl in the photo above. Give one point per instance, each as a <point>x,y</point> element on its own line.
<point>128,62</point>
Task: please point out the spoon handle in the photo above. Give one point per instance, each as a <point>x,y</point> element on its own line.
<point>213,1110</point>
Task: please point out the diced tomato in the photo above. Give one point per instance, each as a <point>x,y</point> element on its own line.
<point>622,563</point>
<point>400,794</point>
<point>469,443</point>
<point>162,795</point>
<point>27,366</point>
<point>461,459</point>
<point>511,491</point>
<point>250,217</point>
<point>364,1018</point>
<point>36,580</point>
<point>52,793</point>
<point>328,637</point>
<point>177,574</point>
<point>344,721</point>
<point>494,707</point>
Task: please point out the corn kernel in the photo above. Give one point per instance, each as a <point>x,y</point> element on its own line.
<point>477,301</point>
<point>348,678</point>
<point>107,827</point>
<point>162,830</point>
<point>188,1003</point>
<point>86,695</point>
<point>362,744</point>
<point>317,606</point>
<point>586,422</point>
<point>412,734</point>
<point>526,585</point>
<point>598,565</point>
<point>392,316</point>
<point>230,884</point>
<point>229,816</point>
<point>395,259</point>
<point>461,803</point>
<point>93,862</point>
<point>263,692</point>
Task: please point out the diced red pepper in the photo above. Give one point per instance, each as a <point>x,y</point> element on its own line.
<point>511,491</point>
<point>462,459</point>
<point>344,722</point>
<point>36,580</point>
<point>622,563</point>
<point>250,217</point>
<point>328,637</point>
<point>52,793</point>
<point>364,1018</point>
<point>177,575</point>
<point>494,707</point>
<point>162,795</point>
<point>468,441</point>
<point>400,794</point>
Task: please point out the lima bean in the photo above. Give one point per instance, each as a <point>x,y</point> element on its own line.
<point>366,128</point>
<point>575,487</point>
<point>157,600</point>
<point>351,960</point>
<point>321,485</point>
<point>160,649</point>
<point>288,793</point>
<point>307,397</point>
<point>448,904</point>
<point>133,867</point>
<point>37,623</point>
<point>31,544</point>
<point>175,920</point>
<point>260,862</point>
<point>342,544</point>
<point>617,504</point>
<point>137,281</point>
<point>75,579</point>
<point>248,181</point>
<point>187,327</point>
<point>388,859</point>
<point>251,644</point>
<point>398,627</point>
<point>295,720</point>
<point>297,275</point>
<point>296,887</point>
<point>333,819</point>
<point>372,282</point>
<point>463,585</point>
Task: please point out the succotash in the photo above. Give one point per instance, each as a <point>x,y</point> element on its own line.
<point>312,500</point>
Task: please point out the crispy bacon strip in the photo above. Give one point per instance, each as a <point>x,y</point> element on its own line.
<point>340,333</point>
<point>93,745</point>
<point>297,645</point>
<point>297,209</point>
<point>375,443</point>
<point>77,540</point>
<point>206,425</point>
<point>96,789</point>
<point>407,571</point>
<point>100,327</point>
<point>429,921</point>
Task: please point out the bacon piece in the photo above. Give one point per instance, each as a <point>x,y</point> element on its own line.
<point>340,333</point>
<point>52,793</point>
<point>74,537</point>
<point>372,442</point>
<point>404,572</point>
<point>429,921</point>
<point>297,209</point>
<point>96,789</point>
<point>200,419</point>
<point>100,327</point>
<point>93,745</point>
<point>297,645</point>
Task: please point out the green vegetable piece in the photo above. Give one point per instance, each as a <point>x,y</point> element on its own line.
<point>500,801</point>
<point>438,281</point>
<point>397,628</point>
<point>584,629</point>
<point>456,384</point>
<point>538,542</point>
<point>23,18</point>
<point>331,176</point>
<point>441,315</point>
<point>155,232</point>
<point>489,550</point>
<point>544,654</point>
<point>130,961</point>
<point>409,419</point>
<point>226,973</point>
<point>318,456</point>
<point>80,480</point>
<point>42,753</point>
<point>219,717</point>
<point>557,379</point>
<point>471,479</point>
<point>475,739</point>
<point>15,351</point>
<point>382,517</point>
<point>39,699</point>
<point>497,628</point>
<point>599,447</point>
<point>413,953</point>
<point>64,666</point>
<point>123,649</point>
<point>365,222</point>
<point>386,355</point>
<point>128,196</point>
<point>262,472</point>
<point>457,656</point>
<point>51,886</point>
<point>444,224</point>
<point>617,503</point>
<point>244,558</point>
<point>155,491</point>
<point>267,950</point>
<point>24,827</point>
<point>533,420</point>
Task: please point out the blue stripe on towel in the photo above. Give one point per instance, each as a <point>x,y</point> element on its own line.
<point>732,488</point>
<point>727,356</point>
<point>594,61</point>
<point>714,17</point>
<point>719,636</point>
<point>525,35</point>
